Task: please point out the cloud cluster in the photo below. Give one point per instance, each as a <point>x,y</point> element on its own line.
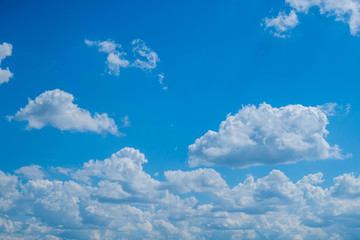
<point>115,58</point>
<point>56,108</point>
<point>5,51</point>
<point>141,56</point>
<point>266,135</point>
<point>144,57</point>
<point>116,199</point>
<point>347,11</point>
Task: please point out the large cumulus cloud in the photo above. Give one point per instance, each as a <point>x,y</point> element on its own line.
<point>266,135</point>
<point>116,199</point>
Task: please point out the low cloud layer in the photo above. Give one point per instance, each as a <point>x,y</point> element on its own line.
<point>5,51</point>
<point>56,108</point>
<point>264,136</point>
<point>347,11</point>
<point>116,199</point>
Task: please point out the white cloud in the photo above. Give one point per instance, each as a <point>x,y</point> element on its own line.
<point>332,109</point>
<point>56,108</point>
<point>161,81</point>
<point>282,24</point>
<point>200,180</point>
<point>126,122</point>
<point>5,51</point>
<point>146,58</point>
<point>266,135</point>
<point>347,11</point>
<point>31,172</point>
<point>116,199</point>
<point>116,56</point>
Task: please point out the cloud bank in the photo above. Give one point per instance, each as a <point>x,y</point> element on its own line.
<point>116,199</point>
<point>56,108</point>
<point>347,11</point>
<point>5,51</point>
<point>265,135</point>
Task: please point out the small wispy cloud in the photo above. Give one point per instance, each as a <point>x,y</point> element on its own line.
<point>141,57</point>
<point>281,25</point>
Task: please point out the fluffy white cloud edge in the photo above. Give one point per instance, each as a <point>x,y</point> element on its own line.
<point>267,135</point>
<point>56,108</point>
<point>5,51</point>
<point>347,11</point>
<point>116,199</point>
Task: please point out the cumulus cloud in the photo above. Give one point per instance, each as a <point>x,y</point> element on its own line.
<point>56,108</point>
<point>347,11</point>
<point>266,135</point>
<point>115,58</point>
<point>5,51</point>
<point>282,24</point>
<point>116,199</point>
<point>30,172</point>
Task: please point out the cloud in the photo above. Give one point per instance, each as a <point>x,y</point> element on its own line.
<point>115,58</point>
<point>332,109</point>
<point>56,108</point>
<point>31,172</point>
<point>347,11</point>
<point>141,57</point>
<point>265,135</point>
<point>116,199</point>
<point>161,81</point>
<point>282,24</point>
<point>146,58</point>
<point>5,51</point>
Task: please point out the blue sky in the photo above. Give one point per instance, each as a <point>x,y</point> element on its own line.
<point>216,58</point>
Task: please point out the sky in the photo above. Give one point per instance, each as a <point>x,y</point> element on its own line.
<point>179,119</point>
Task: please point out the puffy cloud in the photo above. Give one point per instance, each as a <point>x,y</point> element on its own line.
<point>56,108</point>
<point>116,199</point>
<point>265,135</point>
<point>282,24</point>
<point>347,11</point>
<point>31,172</point>
<point>5,51</point>
<point>115,59</point>
<point>200,180</point>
